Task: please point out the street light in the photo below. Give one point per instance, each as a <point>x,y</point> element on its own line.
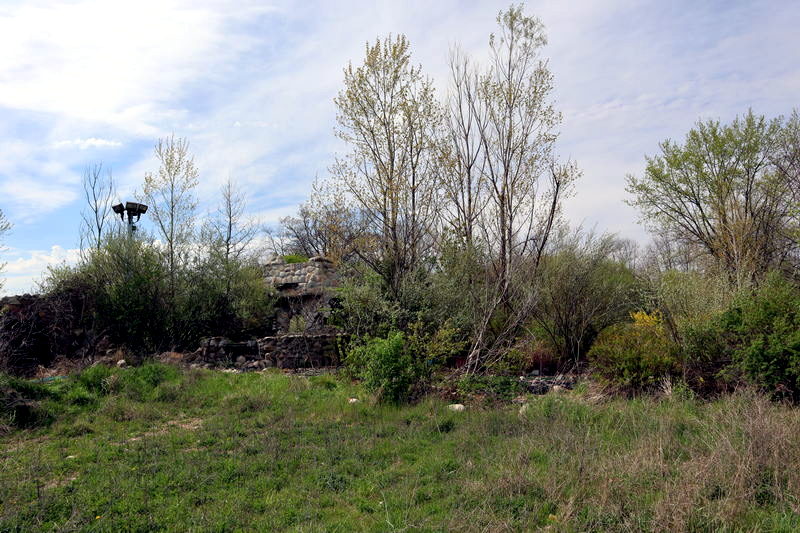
<point>133,209</point>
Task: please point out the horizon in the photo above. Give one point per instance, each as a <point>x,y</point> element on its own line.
<point>252,90</point>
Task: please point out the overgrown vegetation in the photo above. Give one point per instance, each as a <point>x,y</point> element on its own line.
<point>153,449</point>
<point>443,216</point>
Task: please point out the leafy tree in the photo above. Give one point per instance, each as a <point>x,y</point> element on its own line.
<point>387,114</point>
<point>719,191</point>
<point>169,194</point>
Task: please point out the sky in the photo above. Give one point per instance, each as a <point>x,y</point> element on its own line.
<point>251,85</point>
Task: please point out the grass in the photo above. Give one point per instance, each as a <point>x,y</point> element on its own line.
<point>154,448</point>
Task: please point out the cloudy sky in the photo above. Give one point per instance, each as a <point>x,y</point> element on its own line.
<point>251,85</point>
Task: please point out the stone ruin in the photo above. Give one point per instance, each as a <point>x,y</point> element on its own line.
<point>279,351</point>
<point>302,339</point>
<point>305,293</point>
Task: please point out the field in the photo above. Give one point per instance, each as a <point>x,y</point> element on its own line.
<point>156,448</point>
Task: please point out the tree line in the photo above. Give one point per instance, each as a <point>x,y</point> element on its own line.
<point>444,218</point>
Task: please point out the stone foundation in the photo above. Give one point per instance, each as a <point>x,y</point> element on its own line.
<point>282,351</point>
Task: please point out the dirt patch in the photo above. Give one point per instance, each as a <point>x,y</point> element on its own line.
<point>189,424</point>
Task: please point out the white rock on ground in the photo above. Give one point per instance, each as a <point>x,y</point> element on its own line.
<point>121,363</point>
<point>353,400</point>
<point>457,407</point>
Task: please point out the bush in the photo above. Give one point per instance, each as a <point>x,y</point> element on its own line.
<point>386,365</point>
<point>762,331</point>
<point>634,356</point>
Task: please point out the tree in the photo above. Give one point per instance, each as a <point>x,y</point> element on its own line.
<point>228,232</point>
<point>462,158</point>
<point>169,194</point>
<point>97,215</point>
<point>326,225</point>
<point>5,227</point>
<point>526,184</point>
<point>584,288</point>
<point>388,115</point>
<point>719,191</point>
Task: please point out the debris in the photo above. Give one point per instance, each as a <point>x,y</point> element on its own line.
<point>353,400</point>
<point>457,407</point>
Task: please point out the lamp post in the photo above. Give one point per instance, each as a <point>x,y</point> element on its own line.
<point>134,210</point>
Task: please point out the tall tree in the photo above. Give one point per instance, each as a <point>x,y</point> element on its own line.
<point>169,194</point>
<point>387,114</point>
<point>719,191</point>
<point>526,184</point>
<point>462,158</point>
<point>97,215</point>
<point>5,227</point>
<point>229,233</point>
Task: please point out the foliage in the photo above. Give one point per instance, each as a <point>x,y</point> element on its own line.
<point>386,365</point>
<point>295,258</point>
<point>583,289</point>
<point>719,190</point>
<point>634,356</point>
<point>125,287</point>
<point>765,331</point>
<point>395,365</point>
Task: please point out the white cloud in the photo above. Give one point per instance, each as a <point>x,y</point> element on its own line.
<point>252,86</point>
<point>24,268</point>
<point>83,144</point>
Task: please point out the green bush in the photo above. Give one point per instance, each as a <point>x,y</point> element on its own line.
<point>634,355</point>
<point>386,365</point>
<point>762,329</point>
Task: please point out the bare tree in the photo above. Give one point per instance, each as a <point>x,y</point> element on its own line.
<point>326,225</point>
<point>462,157</point>
<point>5,227</point>
<point>97,215</point>
<point>170,195</point>
<point>526,184</point>
<point>388,117</point>
<point>228,233</point>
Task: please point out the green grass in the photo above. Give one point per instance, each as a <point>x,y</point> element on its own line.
<point>154,448</point>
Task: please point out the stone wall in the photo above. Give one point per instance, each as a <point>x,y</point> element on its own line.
<point>283,351</point>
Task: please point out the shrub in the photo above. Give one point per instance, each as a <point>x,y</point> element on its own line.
<point>762,329</point>
<point>386,365</point>
<point>634,355</point>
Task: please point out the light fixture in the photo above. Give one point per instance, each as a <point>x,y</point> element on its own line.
<point>133,209</point>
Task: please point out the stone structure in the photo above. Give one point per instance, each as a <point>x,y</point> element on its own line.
<point>282,351</point>
<point>305,293</point>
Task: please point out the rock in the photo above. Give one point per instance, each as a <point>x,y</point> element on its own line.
<point>241,360</point>
<point>524,408</point>
<point>457,407</point>
<point>121,363</point>
<point>558,388</point>
<point>353,400</point>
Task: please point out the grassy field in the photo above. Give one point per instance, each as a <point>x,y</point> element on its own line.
<point>154,448</point>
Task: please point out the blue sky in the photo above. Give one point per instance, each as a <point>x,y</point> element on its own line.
<point>251,85</point>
